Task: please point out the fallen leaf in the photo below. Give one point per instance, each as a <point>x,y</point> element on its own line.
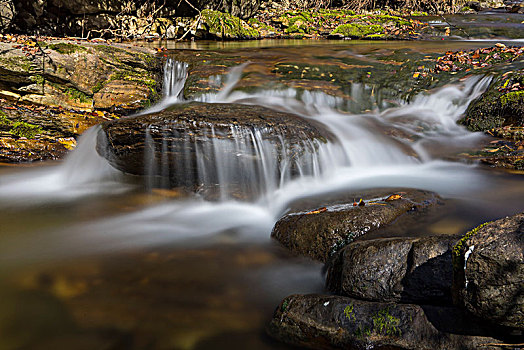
<point>320,210</point>
<point>394,197</point>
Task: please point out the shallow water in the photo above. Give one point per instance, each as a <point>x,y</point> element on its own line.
<point>90,257</point>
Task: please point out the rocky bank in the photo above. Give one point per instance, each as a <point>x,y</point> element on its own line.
<point>52,90</point>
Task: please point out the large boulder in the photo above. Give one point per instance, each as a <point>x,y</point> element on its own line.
<point>394,269</point>
<point>320,231</point>
<point>335,322</point>
<point>199,144</point>
<point>488,267</point>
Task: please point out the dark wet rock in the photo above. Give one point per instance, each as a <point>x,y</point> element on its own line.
<point>500,106</point>
<point>319,233</point>
<point>179,143</point>
<point>488,267</point>
<point>394,269</point>
<point>335,322</point>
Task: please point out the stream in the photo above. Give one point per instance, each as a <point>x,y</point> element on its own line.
<point>89,258</point>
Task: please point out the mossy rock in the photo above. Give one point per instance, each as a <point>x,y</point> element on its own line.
<point>497,107</point>
<point>66,48</point>
<point>488,269</point>
<point>356,30</point>
<point>225,26</point>
<point>335,322</point>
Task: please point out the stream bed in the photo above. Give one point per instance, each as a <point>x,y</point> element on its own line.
<point>91,259</point>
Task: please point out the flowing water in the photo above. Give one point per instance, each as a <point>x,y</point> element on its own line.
<point>88,256</point>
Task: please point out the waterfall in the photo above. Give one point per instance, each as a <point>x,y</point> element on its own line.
<point>82,173</point>
<point>175,75</point>
<point>245,165</point>
<point>237,163</point>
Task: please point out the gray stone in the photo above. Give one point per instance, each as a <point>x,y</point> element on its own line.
<point>394,269</point>
<point>488,267</point>
<point>335,322</point>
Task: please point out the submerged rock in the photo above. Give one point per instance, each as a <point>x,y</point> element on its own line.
<point>335,322</point>
<point>200,144</point>
<point>394,269</point>
<point>321,231</point>
<point>488,267</point>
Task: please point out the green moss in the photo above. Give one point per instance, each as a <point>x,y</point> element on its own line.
<point>354,30</point>
<point>512,97</point>
<point>37,79</point>
<point>348,312</point>
<point>4,121</point>
<point>376,36</point>
<point>458,249</point>
<point>255,23</point>
<point>98,86</point>
<point>16,63</point>
<point>78,95</point>
<point>225,25</point>
<point>108,49</point>
<point>23,129</point>
<point>131,75</point>
<point>66,48</point>
<point>284,306</point>
<point>384,323</point>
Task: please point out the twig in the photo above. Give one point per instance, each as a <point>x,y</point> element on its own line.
<point>454,26</point>
<point>195,23</point>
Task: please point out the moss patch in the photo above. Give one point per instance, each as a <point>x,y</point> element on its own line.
<point>15,63</point>
<point>458,249</point>
<point>224,26</point>
<point>66,48</point>
<point>355,30</point>
<point>385,323</point>
<point>4,121</point>
<point>512,97</point>
<point>23,129</point>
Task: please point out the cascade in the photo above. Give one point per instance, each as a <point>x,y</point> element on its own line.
<point>361,147</point>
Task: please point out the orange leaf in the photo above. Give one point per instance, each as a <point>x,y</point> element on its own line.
<point>394,197</point>
<point>320,210</point>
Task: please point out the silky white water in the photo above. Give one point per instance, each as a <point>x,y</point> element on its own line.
<point>363,155</point>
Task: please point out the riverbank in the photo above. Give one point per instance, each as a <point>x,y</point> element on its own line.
<point>52,90</point>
